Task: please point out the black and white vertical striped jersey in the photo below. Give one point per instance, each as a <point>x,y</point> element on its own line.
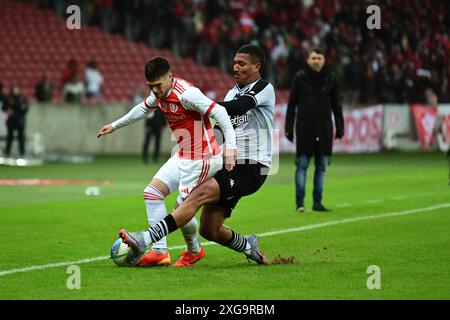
<point>253,120</point>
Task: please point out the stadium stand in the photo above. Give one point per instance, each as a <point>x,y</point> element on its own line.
<point>400,63</point>
<point>41,42</point>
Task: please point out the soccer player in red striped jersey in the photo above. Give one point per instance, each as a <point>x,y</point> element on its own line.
<point>199,157</point>
<point>251,106</point>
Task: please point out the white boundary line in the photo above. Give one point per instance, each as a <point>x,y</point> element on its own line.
<point>266,234</point>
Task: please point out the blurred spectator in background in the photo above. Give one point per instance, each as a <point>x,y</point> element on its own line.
<point>93,80</point>
<point>101,14</point>
<point>44,89</point>
<point>16,108</point>
<point>69,72</point>
<point>154,124</point>
<point>414,35</point>
<point>73,91</point>
<point>209,91</point>
<point>431,98</point>
<point>140,94</point>
<point>2,96</point>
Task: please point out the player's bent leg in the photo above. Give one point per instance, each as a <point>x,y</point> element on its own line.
<point>194,251</point>
<point>190,231</point>
<point>154,195</point>
<point>212,228</point>
<point>212,225</point>
<point>190,234</point>
<point>192,176</point>
<point>206,193</point>
<point>138,241</point>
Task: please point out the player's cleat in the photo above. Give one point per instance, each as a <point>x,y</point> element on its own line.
<point>135,240</point>
<point>133,258</point>
<point>154,258</point>
<point>300,208</point>
<point>256,254</point>
<point>188,258</point>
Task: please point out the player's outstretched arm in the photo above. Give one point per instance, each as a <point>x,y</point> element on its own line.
<point>135,114</point>
<point>107,129</point>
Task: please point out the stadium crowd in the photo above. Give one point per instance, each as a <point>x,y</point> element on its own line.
<point>407,60</point>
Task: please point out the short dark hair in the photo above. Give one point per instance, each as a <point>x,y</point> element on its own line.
<point>92,64</point>
<point>256,53</point>
<point>317,50</point>
<point>156,67</point>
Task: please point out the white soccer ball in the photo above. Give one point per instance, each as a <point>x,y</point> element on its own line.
<point>121,254</point>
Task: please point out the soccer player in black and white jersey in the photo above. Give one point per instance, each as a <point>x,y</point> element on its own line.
<point>250,105</point>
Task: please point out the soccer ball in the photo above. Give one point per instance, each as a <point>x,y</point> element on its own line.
<point>121,254</point>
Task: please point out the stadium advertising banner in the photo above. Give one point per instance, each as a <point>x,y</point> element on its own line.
<point>396,124</point>
<point>442,127</point>
<point>425,118</point>
<point>444,135</point>
<point>363,130</point>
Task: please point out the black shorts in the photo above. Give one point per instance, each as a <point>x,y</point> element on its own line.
<point>243,180</point>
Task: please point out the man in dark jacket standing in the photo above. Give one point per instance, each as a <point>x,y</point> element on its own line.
<point>16,108</point>
<point>312,100</point>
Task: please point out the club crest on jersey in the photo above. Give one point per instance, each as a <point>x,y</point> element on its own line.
<point>167,105</point>
<point>173,107</point>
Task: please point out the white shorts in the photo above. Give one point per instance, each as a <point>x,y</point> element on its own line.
<point>186,174</point>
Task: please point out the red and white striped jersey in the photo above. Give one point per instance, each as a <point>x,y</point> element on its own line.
<point>186,110</point>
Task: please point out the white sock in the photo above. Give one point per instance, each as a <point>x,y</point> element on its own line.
<point>239,243</point>
<point>248,248</point>
<point>190,233</point>
<point>156,211</point>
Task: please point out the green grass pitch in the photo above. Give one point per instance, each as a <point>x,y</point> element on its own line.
<point>391,210</point>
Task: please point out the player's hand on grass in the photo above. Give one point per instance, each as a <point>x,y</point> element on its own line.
<point>229,157</point>
<point>105,130</point>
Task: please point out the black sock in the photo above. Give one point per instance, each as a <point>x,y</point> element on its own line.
<point>162,228</point>
<point>237,242</point>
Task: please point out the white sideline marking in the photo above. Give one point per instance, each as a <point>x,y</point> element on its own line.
<point>343,205</point>
<point>399,198</point>
<point>355,219</point>
<point>266,234</point>
<point>373,201</point>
